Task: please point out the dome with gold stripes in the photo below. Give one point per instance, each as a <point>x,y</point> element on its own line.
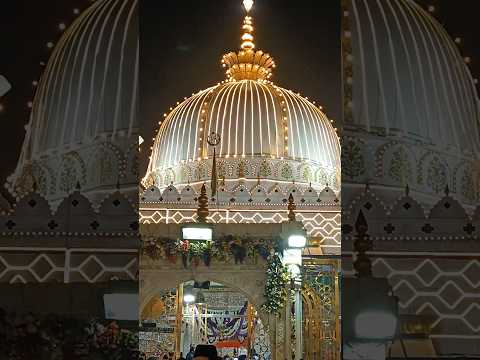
<point>264,131</point>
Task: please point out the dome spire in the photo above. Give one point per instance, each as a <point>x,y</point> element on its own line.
<point>247,37</point>
<point>248,64</point>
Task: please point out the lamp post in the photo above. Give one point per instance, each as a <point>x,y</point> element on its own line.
<point>295,240</point>
<point>370,310</point>
<point>201,230</point>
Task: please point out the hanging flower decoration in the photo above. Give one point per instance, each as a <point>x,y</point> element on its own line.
<point>276,286</point>
<point>225,249</point>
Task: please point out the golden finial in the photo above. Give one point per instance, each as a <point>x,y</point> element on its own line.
<point>248,63</point>
<point>202,211</point>
<point>247,37</point>
<point>248,4</point>
<point>291,208</point>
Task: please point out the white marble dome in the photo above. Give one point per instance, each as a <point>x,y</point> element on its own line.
<point>83,127</point>
<point>412,113</point>
<point>263,125</point>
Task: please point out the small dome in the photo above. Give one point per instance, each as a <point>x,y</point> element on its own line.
<point>84,109</point>
<point>412,115</point>
<point>409,77</point>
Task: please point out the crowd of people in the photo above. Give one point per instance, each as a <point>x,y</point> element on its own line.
<point>52,337</point>
<point>202,352</point>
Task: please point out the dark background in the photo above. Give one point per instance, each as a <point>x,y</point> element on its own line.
<point>182,43</point>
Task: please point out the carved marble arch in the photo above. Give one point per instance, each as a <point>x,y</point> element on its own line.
<point>246,283</point>
<point>103,166</point>
<point>72,172</point>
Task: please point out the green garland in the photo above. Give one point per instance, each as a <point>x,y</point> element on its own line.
<point>277,285</point>
<point>223,249</point>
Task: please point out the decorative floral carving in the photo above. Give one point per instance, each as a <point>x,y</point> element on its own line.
<point>265,170</point>
<point>306,173</point>
<point>436,175</point>
<point>169,177</point>
<point>400,168</point>
<point>353,163</point>
<point>286,172</point>
<point>467,185</point>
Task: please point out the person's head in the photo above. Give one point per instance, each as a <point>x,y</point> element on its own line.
<point>205,352</point>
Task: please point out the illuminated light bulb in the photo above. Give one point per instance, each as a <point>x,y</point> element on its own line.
<point>34,82</point>
<point>76,11</point>
<point>50,45</point>
<point>30,104</point>
<point>467,59</point>
<point>62,26</point>
<point>458,40</point>
<point>164,115</point>
<point>431,8</point>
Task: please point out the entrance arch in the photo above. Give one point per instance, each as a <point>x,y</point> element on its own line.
<point>246,279</point>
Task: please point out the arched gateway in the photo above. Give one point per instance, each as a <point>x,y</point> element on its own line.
<point>240,259</point>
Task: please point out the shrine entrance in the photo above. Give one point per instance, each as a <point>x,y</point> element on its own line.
<point>203,313</point>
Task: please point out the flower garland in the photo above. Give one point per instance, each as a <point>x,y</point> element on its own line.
<point>224,249</point>
<point>276,286</point>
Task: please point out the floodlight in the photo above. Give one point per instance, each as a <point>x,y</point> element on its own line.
<point>297,241</point>
<point>197,232</point>
<point>375,325</point>
<point>188,298</point>
<point>188,294</point>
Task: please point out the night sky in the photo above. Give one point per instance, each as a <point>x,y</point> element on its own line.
<point>181,46</point>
